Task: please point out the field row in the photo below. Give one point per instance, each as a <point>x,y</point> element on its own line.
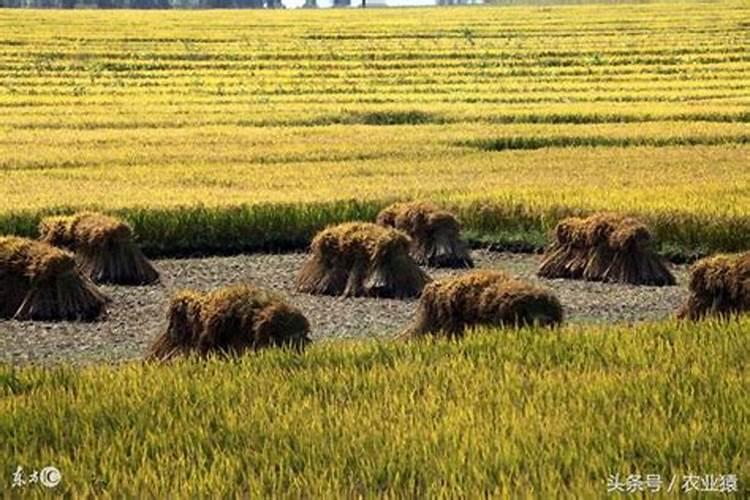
<point>317,140</point>
<point>73,76</point>
<point>510,56</point>
<point>589,65</point>
<point>615,91</point>
<point>25,67</point>
<point>292,116</point>
<point>220,96</point>
<point>235,205</point>
<point>488,76</point>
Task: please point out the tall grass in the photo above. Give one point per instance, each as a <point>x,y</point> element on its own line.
<point>504,224</point>
<point>503,413</point>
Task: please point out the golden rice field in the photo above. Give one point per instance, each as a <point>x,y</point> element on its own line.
<point>222,130</point>
<point>219,131</point>
<point>504,414</point>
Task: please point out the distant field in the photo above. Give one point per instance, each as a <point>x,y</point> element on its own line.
<point>219,131</point>
<point>504,413</point>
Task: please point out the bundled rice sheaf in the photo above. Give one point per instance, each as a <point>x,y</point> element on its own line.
<point>41,282</point>
<point>361,260</point>
<point>103,245</point>
<point>605,247</point>
<point>228,322</point>
<point>719,286</point>
<point>448,307</point>
<point>435,233</point>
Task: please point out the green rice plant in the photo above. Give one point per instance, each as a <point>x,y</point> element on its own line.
<point>501,413</point>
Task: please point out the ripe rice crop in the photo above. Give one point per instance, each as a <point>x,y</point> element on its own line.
<point>220,131</point>
<point>604,247</point>
<point>435,234</point>
<point>40,282</point>
<point>720,286</point>
<point>450,306</point>
<point>361,260</point>
<point>504,413</point>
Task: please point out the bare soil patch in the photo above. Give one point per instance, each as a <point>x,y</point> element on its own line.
<point>138,314</point>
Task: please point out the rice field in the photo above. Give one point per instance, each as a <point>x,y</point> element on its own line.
<point>527,413</point>
<point>226,131</point>
<point>229,130</point>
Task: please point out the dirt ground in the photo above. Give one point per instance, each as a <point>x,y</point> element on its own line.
<point>138,314</point>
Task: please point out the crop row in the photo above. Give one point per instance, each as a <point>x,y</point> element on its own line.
<point>196,205</point>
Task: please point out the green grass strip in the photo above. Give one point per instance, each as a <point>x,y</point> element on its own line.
<point>201,230</point>
<point>525,142</point>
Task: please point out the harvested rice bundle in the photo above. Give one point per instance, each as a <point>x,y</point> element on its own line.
<point>604,247</point>
<point>567,255</point>
<point>41,282</point>
<point>104,247</point>
<point>719,286</point>
<point>448,307</point>
<point>229,321</point>
<point>361,259</point>
<point>435,233</point>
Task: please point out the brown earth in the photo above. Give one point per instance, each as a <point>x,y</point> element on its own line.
<point>137,314</point>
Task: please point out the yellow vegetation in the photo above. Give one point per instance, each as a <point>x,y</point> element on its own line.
<point>529,112</point>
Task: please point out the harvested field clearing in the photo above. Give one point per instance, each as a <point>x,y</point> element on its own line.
<point>137,315</point>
